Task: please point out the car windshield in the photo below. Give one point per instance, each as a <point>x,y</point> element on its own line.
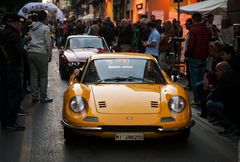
<point>122,70</point>
<point>85,42</point>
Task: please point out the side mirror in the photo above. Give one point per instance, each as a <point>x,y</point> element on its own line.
<point>75,76</point>
<point>174,78</point>
<point>61,49</point>
<point>111,49</point>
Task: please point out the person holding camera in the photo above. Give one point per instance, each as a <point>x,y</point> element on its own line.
<point>165,45</point>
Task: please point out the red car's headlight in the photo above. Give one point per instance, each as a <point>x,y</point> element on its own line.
<point>78,104</point>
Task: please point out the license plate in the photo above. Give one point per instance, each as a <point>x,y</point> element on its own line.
<point>129,137</point>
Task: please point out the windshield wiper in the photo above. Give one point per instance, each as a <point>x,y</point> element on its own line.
<point>141,79</point>
<point>119,79</point>
<point>89,47</point>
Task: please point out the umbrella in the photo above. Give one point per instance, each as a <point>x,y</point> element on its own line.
<point>88,17</point>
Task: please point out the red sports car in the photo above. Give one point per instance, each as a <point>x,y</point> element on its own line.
<point>76,51</point>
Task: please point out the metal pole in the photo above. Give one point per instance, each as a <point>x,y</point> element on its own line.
<point>179,10</point>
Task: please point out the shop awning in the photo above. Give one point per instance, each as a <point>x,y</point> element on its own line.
<point>216,7</point>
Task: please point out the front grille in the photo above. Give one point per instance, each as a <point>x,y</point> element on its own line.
<point>129,128</point>
<point>154,104</point>
<point>102,104</point>
<point>75,66</point>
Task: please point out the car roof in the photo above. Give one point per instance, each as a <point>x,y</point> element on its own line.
<point>122,55</point>
<point>83,36</point>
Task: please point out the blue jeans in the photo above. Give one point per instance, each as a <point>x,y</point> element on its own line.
<point>197,69</point>
<point>199,91</point>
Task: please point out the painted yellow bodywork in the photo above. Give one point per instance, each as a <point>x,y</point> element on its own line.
<point>127,104</point>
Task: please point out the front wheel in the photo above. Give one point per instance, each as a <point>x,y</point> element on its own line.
<point>68,134</point>
<point>184,135</point>
<point>63,73</point>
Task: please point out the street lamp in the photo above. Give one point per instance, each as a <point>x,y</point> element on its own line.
<point>178,1</point>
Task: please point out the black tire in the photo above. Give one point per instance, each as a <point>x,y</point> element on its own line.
<point>63,73</point>
<point>68,134</point>
<point>184,135</point>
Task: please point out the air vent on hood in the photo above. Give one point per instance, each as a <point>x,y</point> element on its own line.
<point>154,104</point>
<point>102,104</point>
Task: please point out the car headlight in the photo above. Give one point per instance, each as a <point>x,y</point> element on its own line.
<point>78,104</point>
<point>73,63</point>
<point>177,104</point>
<point>70,64</point>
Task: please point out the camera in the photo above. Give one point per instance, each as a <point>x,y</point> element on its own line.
<point>26,28</point>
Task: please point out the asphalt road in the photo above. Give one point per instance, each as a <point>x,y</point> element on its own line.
<point>43,141</point>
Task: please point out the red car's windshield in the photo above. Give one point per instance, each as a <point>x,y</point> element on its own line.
<point>86,42</point>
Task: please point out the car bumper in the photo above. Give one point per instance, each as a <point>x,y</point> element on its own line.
<point>155,129</point>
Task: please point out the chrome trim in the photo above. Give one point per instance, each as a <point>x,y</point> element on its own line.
<point>65,124</point>
<point>190,125</point>
<point>160,129</point>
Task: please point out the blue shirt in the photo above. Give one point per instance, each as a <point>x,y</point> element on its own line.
<point>154,37</point>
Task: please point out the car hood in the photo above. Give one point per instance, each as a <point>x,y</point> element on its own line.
<point>127,99</point>
<point>79,55</point>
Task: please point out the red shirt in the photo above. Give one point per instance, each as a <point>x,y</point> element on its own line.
<point>198,45</point>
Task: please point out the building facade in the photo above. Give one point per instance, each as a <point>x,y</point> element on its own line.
<point>234,11</point>
<point>133,9</point>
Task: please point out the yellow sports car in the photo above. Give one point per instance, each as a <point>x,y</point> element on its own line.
<point>125,96</point>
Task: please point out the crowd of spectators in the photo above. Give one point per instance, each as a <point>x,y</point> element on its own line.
<point>145,36</point>
<point>211,61</point>
<point>25,50</point>
<point>214,72</point>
